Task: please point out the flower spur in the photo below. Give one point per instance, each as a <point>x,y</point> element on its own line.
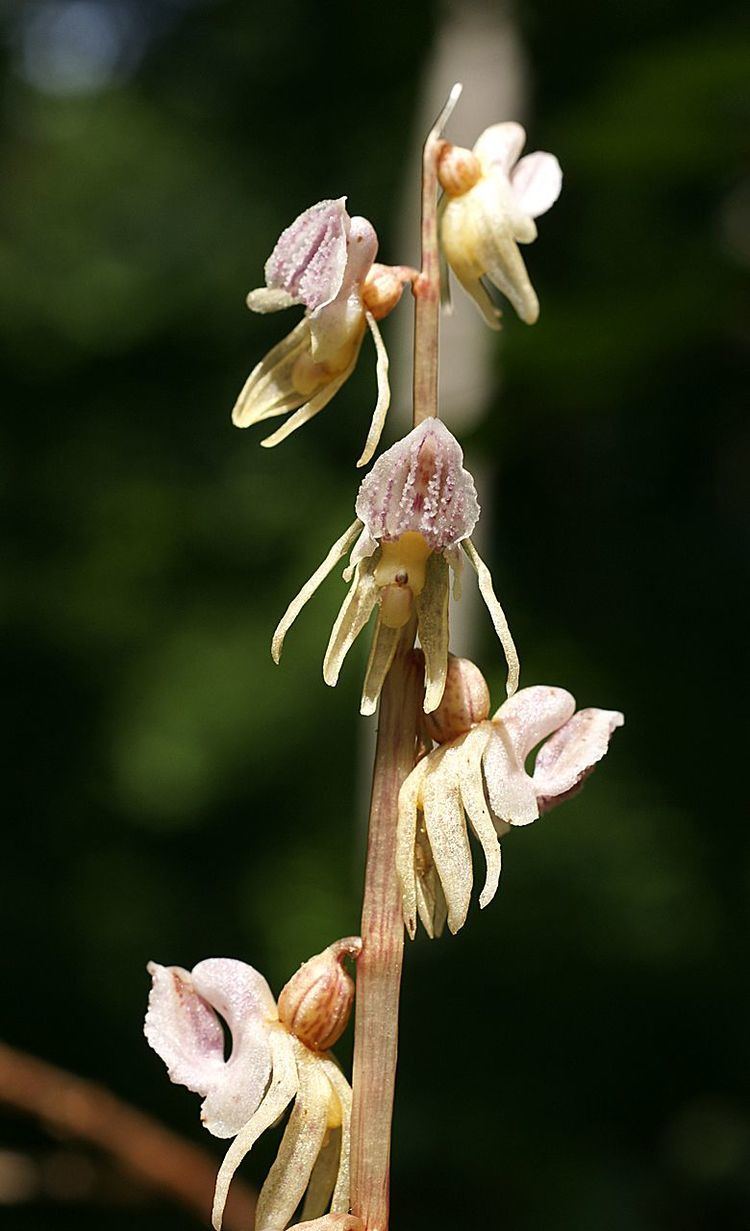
<point>279,1056</point>
<point>478,772</point>
<point>324,262</point>
<point>490,203</point>
<point>415,512</point>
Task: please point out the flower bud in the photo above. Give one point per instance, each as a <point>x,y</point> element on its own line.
<point>381,290</point>
<point>458,169</point>
<point>466,701</point>
<point>316,1002</point>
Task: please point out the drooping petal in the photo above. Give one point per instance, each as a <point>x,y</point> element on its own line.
<point>470,778</point>
<point>283,1087</point>
<point>313,407</point>
<point>500,258</point>
<point>337,552</point>
<point>431,904</point>
<point>184,1030</point>
<point>341,1196</point>
<point>384,393</point>
<point>536,183</point>
<point>510,790</point>
<point>300,1146</point>
<point>310,256</point>
<point>419,485</point>
<point>432,618</point>
<point>497,615</point>
<point>406,837</point>
<point>572,752</point>
<point>532,714</point>
<point>500,146</point>
<point>269,389</point>
<point>355,611</point>
<point>446,831</point>
<point>323,1178</point>
<point>384,644</point>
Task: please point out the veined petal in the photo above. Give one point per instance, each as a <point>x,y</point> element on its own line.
<point>316,403</point>
<point>446,830</point>
<point>470,754</point>
<point>500,145</point>
<point>269,389</point>
<point>536,182</point>
<point>572,752</point>
<point>300,1146</point>
<point>510,790</point>
<point>356,610</point>
<point>310,256</point>
<point>497,615</point>
<point>406,837</point>
<point>184,1030</point>
<point>384,393</point>
<point>534,713</point>
<point>384,643</point>
<point>282,1090</point>
<point>432,618</point>
<point>339,549</point>
<point>341,1197</point>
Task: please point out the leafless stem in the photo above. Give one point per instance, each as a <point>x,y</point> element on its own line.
<point>145,1150</point>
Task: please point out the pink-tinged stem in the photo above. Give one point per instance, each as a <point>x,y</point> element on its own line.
<point>379,966</point>
<point>426,288</point>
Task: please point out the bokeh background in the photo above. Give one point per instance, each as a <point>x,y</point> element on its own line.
<point>578,1056</point>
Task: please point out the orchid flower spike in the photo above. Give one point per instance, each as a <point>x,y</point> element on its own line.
<point>278,1057</point>
<point>323,261</point>
<point>490,203</point>
<point>415,512</point>
<point>478,772</point>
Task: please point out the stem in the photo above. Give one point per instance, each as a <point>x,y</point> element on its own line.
<point>379,966</point>
<point>426,289</point>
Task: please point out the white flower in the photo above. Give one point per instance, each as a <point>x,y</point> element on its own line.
<point>415,512</point>
<point>268,1068</point>
<point>491,201</point>
<point>481,775</point>
<point>324,262</point>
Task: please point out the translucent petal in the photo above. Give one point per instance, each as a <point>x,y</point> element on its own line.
<point>471,751</point>
<point>184,1030</point>
<point>431,904</point>
<point>268,390</point>
<point>300,1146</point>
<point>446,830</point>
<point>356,610</point>
<point>501,260</point>
<point>340,1199</point>
<point>314,406</point>
<point>484,577</point>
<point>384,643</point>
<point>406,837</point>
<point>339,549</point>
<point>536,183</point>
<point>282,1090</point>
<point>384,393</point>
<point>510,790</point>
<point>532,714</point>
<point>323,1178</point>
<point>432,617</point>
<point>500,145</point>
<point>572,752</point>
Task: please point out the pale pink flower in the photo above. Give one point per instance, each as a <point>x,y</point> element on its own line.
<point>481,776</point>
<point>489,207</point>
<point>416,510</point>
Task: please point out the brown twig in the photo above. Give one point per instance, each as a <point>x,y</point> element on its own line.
<point>142,1148</point>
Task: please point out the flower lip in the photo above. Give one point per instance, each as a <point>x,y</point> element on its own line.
<point>310,256</point>
<point>419,485</point>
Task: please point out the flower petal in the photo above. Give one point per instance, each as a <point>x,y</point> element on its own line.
<point>432,618</point>
<point>282,1090</point>
<point>502,262</point>
<point>572,752</point>
<point>384,393</point>
<point>243,998</point>
<point>355,611</point>
<point>510,790</point>
<point>384,643</point>
<point>184,1030</point>
<point>534,713</point>
<point>323,1177</point>
<point>406,839</point>
<point>300,1146</point>
<point>431,903</point>
<point>310,256</point>
<point>497,615</point>
<point>471,782</point>
<point>420,485</point>
<point>340,1200</point>
<point>446,830</point>
<point>536,183</point>
<point>269,390</point>
<point>318,402</point>
<point>339,549</point>
<point>264,300</point>
<point>500,145</point>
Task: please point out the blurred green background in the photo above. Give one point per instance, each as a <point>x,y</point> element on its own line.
<point>577,1058</point>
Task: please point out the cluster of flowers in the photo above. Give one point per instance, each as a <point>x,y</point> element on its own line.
<point>415,514</point>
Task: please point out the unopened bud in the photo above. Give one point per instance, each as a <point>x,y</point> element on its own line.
<point>466,701</point>
<point>316,1002</point>
<point>381,290</point>
<point>458,169</point>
